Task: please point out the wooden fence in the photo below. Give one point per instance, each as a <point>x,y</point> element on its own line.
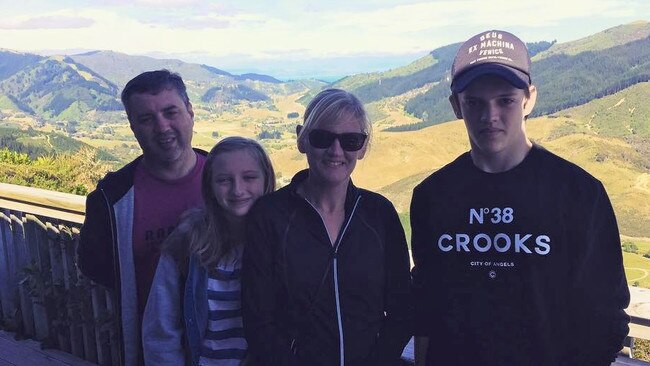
<point>42,294</point>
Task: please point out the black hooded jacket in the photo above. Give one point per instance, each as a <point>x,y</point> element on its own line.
<point>350,299</point>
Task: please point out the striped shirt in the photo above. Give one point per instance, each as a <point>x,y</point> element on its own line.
<point>224,343</point>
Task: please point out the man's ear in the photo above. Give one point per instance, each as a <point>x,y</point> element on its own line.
<point>189,109</point>
<point>529,103</point>
<point>455,105</point>
<point>301,143</point>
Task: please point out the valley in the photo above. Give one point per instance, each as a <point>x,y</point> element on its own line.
<point>605,129</point>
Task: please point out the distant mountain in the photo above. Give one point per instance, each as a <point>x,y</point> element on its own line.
<point>204,83</point>
<point>226,94</point>
<point>53,88</point>
<point>429,69</point>
<point>120,67</point>
<point>258,77</point>
<point>608,38</point>
<point>563,79</point>
<point>11,62</point>
<point>68,88</point>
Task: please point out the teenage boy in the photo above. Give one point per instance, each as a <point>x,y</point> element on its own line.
<point>517,252</point>
<point>134,209</point>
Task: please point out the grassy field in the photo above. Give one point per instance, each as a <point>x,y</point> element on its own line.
<point>607,137</point>
<point>397,161</point>
<point>637,267</point>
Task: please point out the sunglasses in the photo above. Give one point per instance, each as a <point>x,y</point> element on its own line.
<point>350,141</point>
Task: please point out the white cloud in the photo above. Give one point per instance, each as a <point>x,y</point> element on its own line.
<point>153,3</point>
<point>47,22</point>
<point>289,29</point>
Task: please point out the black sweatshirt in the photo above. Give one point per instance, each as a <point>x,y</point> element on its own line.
<point>287,256</point>
<point>522,267</point>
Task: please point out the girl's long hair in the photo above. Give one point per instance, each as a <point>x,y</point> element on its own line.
<point>206,232</point>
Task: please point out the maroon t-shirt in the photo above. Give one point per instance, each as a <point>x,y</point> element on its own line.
<point>158,204</point>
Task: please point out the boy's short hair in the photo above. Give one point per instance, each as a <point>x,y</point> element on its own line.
<point>492,52</point>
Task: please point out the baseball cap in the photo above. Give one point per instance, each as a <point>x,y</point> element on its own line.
<point>492,52</point>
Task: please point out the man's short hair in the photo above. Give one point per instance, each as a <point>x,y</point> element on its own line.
<point>153,82</point>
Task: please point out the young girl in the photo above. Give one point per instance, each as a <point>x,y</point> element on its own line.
<point>193,315</point>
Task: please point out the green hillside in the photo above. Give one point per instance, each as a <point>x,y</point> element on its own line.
<point>399,81</point>
<point>566,81</point>
<point>49,87</point>
<point>88,74</point>
<point>602,40</point>
<point>232,94</point>
<point>562,80</point>
<point>39,144</point>
<point>205,84</point>
<point>625,114</point>
<point>120,67</point>
<point>359,80</point>
<point>11,62</point>
<point>8,102</point>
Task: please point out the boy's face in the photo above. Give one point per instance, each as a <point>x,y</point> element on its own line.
<point>493,111</point>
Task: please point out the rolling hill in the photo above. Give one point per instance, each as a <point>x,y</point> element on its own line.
<point>51,88</point>
<point>39,144</point>
<point>608,38</point>
<point>121,67</point>
<point>567,74</point>
<point>431,68</point>
<point>85,88</point>
<point>203,82</point>
<point>600,119</point>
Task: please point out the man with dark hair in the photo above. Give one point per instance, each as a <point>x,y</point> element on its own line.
<point>517,252</point>
<point>134,209</point>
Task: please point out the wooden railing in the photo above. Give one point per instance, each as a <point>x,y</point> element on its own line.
<point>42,294</point>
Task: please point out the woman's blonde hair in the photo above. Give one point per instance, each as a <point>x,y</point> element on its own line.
<point>205,232</point>
<point>331,105</point>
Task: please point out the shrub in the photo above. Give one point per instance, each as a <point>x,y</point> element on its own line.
<point>630,247</point>
<point>264,135</point>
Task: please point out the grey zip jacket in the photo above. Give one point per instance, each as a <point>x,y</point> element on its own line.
<point>105,254</point>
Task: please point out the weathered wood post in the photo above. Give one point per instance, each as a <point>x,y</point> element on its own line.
<point>8,283</point>
<point>37,273</point>
<point>21,260</point>
<point>72,286</point>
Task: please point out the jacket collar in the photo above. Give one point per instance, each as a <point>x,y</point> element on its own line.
<point>350,196</point>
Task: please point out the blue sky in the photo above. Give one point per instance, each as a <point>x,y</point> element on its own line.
<point>293,38</point>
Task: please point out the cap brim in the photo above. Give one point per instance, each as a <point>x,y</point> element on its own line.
<point>517,78</point>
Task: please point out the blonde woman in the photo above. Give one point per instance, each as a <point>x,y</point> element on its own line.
<point>193,315</point>
<point>326,270</point>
